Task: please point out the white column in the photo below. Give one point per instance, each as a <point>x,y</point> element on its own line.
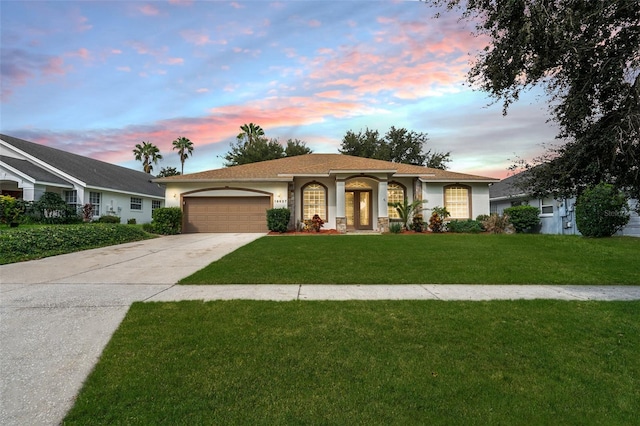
<point>340,209</point>
<point>383,209</point>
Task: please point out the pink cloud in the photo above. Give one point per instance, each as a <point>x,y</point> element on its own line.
<point>181,2</point>
<point>314,23</point>
<point>149,10</point>
<point>173,61</point>
<point>199,38</point>
<point>236,5</point>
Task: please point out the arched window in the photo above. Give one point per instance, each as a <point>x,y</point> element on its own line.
<point>314,201</point>
<point>457,200</point>
<point>395,194</point>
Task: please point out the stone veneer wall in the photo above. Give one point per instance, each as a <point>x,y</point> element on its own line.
<point>341,225</point>
<point>383,224</point>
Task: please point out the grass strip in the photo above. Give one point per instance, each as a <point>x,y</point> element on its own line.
<point>363,362</point>
<point>428,259</point>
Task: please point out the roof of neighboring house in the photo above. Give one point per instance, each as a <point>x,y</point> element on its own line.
<point>506,188</point>
<point>34,171</point>
<point>322,165</point>
<point>93,173</point>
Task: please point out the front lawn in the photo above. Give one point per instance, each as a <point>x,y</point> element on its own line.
<point>428,259</point>
<point>363,362</point>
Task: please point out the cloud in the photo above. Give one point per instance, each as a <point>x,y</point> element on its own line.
<point>199,38</point>
<point>236,5</point>
<point>148,9</point>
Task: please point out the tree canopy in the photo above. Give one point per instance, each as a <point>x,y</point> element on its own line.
<point>185,149</point>
<point>251,146</point>
<point>149,154</point>
<point>586,54</point>
<point>397,145</point>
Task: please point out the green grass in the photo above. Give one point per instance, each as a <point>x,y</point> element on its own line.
<point>428,259</point>
<point>385,362</point>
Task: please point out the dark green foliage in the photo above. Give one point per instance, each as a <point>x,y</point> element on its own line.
<point>167,220</point>
<point>278,220</point>
<point>131,221</point>
<point>525,219</point>
<point>395,227</point>
<point>601,211</point>
<point>52,209</point>
<point>468,226</point>
<point>35,242</point>
<point>585,54</point>
<point>108,219</point>
<point>398,146</point>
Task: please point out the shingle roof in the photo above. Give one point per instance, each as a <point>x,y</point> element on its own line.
<point>321,165</point>
<point>93,173</point>
<point>505,188</point>
<point>34,171</point>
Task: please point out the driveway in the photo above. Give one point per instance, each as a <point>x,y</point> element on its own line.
<point>57,314</point>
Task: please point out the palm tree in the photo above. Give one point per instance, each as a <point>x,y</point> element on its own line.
<point>251,132</point>
<point>148,153</point>
<point>185,149</point>
<point>406,210</point>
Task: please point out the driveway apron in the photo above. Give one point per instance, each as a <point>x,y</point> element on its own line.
<point>58,313</point>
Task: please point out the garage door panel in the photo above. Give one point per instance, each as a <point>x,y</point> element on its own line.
<point>226,214</point>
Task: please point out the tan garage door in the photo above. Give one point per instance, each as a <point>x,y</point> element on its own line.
<point>226,214</point>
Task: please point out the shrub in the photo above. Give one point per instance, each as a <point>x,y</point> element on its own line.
<point>395,227</point>
<point>131,221</point>
<point>167,220</point>
<point>498,224</point>
<point>278,219</point>
<point>314,224</point>
<point>32,243</point>
<point>436,221</point>
<point>52,209</point>
<point>482,217</point>
<point>10,209</point>
<point>525,219</point>
<point>406,210</point>
<point>147,227</point>
<point>464,226</point>
<point>601,211</point>
<point>108,219</point>
<point>417,224</point>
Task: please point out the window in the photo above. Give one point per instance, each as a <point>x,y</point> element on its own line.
<point>456,200</point>
<point>155,204</point>
<point>136,203</point>
<point>94,199</point>
<point>546,206</point>
<point>314,201</point>
<point>395,194</point>
<point>71,197</point>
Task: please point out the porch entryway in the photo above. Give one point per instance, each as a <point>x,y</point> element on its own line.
<point>358,209</point>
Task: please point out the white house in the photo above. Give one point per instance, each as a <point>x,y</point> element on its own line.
<point>28,170</point>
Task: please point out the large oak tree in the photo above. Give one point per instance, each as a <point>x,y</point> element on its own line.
<point>586,54</point>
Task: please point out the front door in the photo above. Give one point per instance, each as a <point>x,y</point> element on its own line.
<point>358,209</point>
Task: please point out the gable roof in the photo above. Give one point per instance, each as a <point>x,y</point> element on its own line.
<point>506,188</point>
<point>285,169</point>
<point>91,172</point>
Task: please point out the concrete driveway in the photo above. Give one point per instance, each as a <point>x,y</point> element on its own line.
<point>57,314</point>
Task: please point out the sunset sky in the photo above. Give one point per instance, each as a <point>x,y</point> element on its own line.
<point>97,77</point>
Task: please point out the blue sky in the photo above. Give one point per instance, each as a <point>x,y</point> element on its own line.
<point>97,77</point>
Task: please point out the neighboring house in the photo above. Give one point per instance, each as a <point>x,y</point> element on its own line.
<point>349,193</point>
<point>556,216</point>
<point>28,170</point>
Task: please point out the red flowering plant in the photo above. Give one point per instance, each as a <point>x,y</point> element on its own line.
<point>315,223</point>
